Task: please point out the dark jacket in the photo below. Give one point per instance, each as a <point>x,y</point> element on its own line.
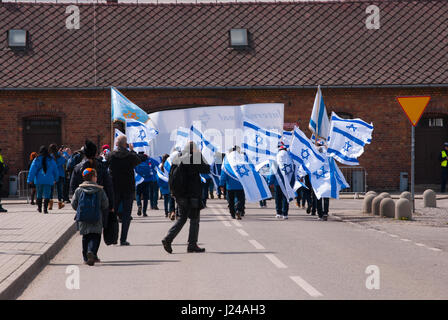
<point>192,172</point>
<point>121,165</point>
<point>103,178</point>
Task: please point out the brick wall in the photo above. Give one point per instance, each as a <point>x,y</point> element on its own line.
<point>86,114</point>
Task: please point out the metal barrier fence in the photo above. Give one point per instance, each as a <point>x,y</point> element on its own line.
<point>356,178</point>
<point>22,186</point>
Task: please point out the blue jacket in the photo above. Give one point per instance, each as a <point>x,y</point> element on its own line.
<point>147,169</point>
<point>37,175</point>
<point>229,182</point>
<point>60,162</point>
<point>163,185</point>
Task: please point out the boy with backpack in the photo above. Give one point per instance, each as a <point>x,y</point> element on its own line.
<point>89,201</point>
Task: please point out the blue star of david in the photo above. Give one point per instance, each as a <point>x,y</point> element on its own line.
<point>242,170</point>
<point>305,154</point>
<point>352,127</point>
<point>258,140</point>
<point>142,134</point>
<point>322,174</point>
<point>287,168</point>
<point>347,146</point>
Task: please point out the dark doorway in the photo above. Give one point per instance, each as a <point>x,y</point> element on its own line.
<point>430,134</point>
<point>40,131</point>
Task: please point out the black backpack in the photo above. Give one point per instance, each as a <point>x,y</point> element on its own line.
<point>177,180</point>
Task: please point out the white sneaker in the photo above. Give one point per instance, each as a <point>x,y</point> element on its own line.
<point>285,217</point>
<point>278,216</point>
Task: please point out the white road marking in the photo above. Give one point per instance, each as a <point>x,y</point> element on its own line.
<point>276,261</point>
<point>405,240</point>
<point>435,249</point>
<point>420,244</point>
<point>236,223</point>
<point>381,231</point>
<point>257,245</point>
<point>393,235</point>
<point>306,286</point>
<point>242,232</point>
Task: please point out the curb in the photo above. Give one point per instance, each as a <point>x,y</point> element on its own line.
<point>18,285</point>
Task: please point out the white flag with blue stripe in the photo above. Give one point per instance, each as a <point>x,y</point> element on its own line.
<point>348,138</point>
<point>287,138</point>
<point>116,135</point>
<point>207,149</point>
<point>328,180</point>
<point>304,154</point>
<point>259,144</point>
<point>319,123</point>
<point>140,135</point>
<point>182,137</point>
<point>284,170</point>
<point>162,175</point>
<point>238,167</point>
<point>138,178</point>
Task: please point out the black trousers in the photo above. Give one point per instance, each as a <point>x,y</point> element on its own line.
<point>240,203</point>
<point>444,179</point>
<point>123,207</point>
<point>323,205</point>
<point>185,212</point>
<point>90,243</point>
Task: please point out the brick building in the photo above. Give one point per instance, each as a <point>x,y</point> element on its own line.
<point>168,56</point>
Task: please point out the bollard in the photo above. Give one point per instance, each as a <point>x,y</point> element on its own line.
<point>429,199</point>
<point>403,209</point>
<point>387,208</point>
<point>367,204</point>
<point>371,192</point>
<point>406,195</point>
<point>385,195</point>
<point>376,205</point>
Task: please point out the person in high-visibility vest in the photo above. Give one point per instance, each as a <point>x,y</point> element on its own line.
<point>444,164</point>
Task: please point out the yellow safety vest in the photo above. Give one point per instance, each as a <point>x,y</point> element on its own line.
<point>1,158</point>
<point>444,162</point>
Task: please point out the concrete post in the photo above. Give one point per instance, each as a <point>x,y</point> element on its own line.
<point>406,195</point>
<point>387,208</point>
<point>376,205</point>
<point>429,199</point>
<point>403,209</point>
<point>385,195</point>
<point>367,203</point>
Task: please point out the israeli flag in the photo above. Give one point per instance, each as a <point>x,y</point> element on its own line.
<point>214,174</point>
<point>304,154</point>
<point>319,123</point>
<point>140,135</point>
<point>348,138</point>
<point>138,178</point>
<point>162,175</point>
<point>116,135</point>
<point>207,149</point>
<point>287,138</point>
<point>123,109</point>
<point>284,170</point>
<point>328,180</point>
<point>259,144</point>
<point>238,167</point>
<point>182,137</point>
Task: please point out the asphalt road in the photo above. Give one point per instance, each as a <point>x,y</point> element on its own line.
<point>258,257</point>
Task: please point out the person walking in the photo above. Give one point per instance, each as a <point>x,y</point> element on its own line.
<point>121,166</point>
<point>443,158</point>
<point>153,186</point>
<point>66,153</point>
<point>43,173</point>
<point>185,185</point>
<point>168,201</point>
<point>32,186</point>
<point>3,171</point>
<point>60,162</point>
<point>235,192</point>
<point>89,201</point>
<point>145,171</point>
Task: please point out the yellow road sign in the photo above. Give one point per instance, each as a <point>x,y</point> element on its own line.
<point>414,106</point>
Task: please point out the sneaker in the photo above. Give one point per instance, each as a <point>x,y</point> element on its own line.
<point>195,249</point>
<point>233,216</point>
<point>172,216</point>
<point>308,210</point>
<point>238,216</point>
<point>167,246</point>
<point>278,216</point>
<point>325,218</point>
<point>285,217</point>
<point>124,243</point>
<point>156,208</point>
<point>90,258</point>
<point>139,211</point>
<point>97,259</point>
<point>144,214</point>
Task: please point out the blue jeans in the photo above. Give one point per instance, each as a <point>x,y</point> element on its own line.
<point>43,191</point>
<point>168,203</point>
<point>153,193</point>
<point>142,191</point>
<point>60,189</point>
<point>123,207</point>
<point>281,203</point>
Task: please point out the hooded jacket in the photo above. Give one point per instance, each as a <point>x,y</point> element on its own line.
<point>37,175</point>
<point>121,165</point>
<point>90,187</point>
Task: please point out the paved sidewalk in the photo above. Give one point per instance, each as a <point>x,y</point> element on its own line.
<point>28,240</point>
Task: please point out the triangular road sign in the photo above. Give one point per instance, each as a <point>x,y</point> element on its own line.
<point>414,106</point>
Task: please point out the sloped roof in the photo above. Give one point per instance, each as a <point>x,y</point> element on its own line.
<point>187,45</point>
